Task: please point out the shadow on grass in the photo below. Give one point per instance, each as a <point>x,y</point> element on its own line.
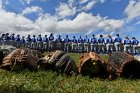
<point>18,89</point>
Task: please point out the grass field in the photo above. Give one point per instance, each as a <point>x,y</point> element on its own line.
<point>52,82</point>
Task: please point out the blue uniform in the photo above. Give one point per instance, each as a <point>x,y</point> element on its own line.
<point>18,38</point>
<point>93,41</point>
<point>109,41</point>
<point>39,42</point>
<point>7,40</point>
<point>34,40</point>
<point>18,41</point>
<point>101,42</point>
<point>12,39</point>
<point>74,40</point>
<point>45,39</point>
<point>117,42</point>
<point>93,44</point>
<point>86,40</point>
<point>135,42</point>
<point>7,37</point>
<point>28,39</point>
<point>80,45</point>
<point>80,40</point>
<point>51,41</point>
<point>109,45</point>
<point>2,40</point>
<point>66,45</point>
<point>23,41</point>
<point>45,43</point>
<point>39,39</point>
<point>59,43</point>
<point>51,38</point>
<point>58,40</point>
<point>135,45</point>
<point>127,41</point>
<point>33,44</point>
<point>118,39</point>
<point>127,44</point>
<point>86,45</point>
<point>66,40</point>
<point>28,42</point>
<point>74,45</point>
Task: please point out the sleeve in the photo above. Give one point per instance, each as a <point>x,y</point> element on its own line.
<point>132,42</point>
<point>103,40</point>
<point>107,41</point>
<point>114,40</point>
<point>124,41</point>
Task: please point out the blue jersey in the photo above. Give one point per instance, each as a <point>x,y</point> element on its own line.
<point>80,40</point>
<point>45,39</point>
<point>34,39</point>
<point>135,42</point>
<point>93,41</point>
<point>51,38</point>
<point>118,39</point>
<point>18,38</point>
<point>66,40</point>
<point>28,39</point>
<point>58,40</point>
<point>101,40</point>
<point>22,40</point>
<point>7,37</point>
<point>74,40</point>
<point>109,41</point>
<point>86,40</point>
<point>2,38</point>
<point>127,41</point>
<point>39,39</point>
<point>12,37</point>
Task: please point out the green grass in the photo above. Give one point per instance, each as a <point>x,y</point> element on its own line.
<point>52,82</point>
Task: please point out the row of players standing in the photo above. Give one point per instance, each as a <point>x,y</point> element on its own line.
<point>74,45</point>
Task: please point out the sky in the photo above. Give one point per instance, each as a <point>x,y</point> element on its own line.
<point>72,17</point>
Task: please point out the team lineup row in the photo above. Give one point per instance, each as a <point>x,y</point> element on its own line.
<point>100,45</point>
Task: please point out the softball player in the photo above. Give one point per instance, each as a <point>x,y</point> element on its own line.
<point>45,43</point>
<point>17,41</point>
<point>51,41</point>
<point>101,43</point>
<point>12,40</point>
<point>2,39</point>
<point>74,44</point>
<point>7,39</point>
<point>109,44</point>
<point>23,41</point>
<point>66,44</point>
<point>127,44</point>
<point>80,44</point>
<point>58,42</point>
<point>86,44</point>
<point>93,44</point>
<point>135,43</point>
<point>33,43</point>
<point>118,42</point>
<point>39,42</point>
<point>28,42</point>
